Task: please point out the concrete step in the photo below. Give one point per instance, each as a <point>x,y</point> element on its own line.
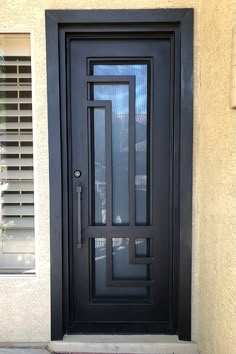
<point>135,344</point>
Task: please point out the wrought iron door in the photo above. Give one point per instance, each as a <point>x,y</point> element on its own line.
<point>119,153</point>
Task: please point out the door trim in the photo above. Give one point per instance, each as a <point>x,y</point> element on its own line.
<point>177,24</point>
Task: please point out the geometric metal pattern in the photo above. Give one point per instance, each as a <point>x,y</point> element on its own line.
<point>130,80</point>
<point>133,260</point>
<point>115,231</point>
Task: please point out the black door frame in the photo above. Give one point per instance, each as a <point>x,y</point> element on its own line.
<point>176,24</point>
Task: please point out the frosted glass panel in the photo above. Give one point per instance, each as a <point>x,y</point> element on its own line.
<point>122,269</point>
<point>101,288</point>
<point>98,164</point>
<point>141,247</point>
<point>140,72</point>
<point>119,96</point>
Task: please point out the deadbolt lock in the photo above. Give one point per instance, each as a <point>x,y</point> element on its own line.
<point>77,173</point>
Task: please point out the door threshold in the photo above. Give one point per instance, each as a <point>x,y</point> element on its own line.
<point>158,344</point>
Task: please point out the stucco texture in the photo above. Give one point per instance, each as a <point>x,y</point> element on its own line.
<point>217,188</point>
<point>25,301</point>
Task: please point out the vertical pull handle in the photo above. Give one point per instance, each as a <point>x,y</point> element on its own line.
<point>79,234</point>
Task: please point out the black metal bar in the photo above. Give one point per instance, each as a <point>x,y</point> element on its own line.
<point>87,33</point>
<point>79,231</point>
<point>54,133</point>
<point>108,136</point>
<point>141,17</point>
<point>132,168</point>
<point>142,260</point>
<point>66,175</point>
<point>103,231</point>
<point>121,328</point>
<point>99,104</point>
<point>119,61</point>
<point>108,149</point>
<point>173,126</point>
<point>130,283</point>
<point>186,159</point>
<point>91,167</point>
<point>149,156</point>
<point>131,249</point>
<point>111,79</point>
<point>109,259</point>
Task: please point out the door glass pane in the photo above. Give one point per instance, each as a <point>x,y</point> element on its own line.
<point>118,94</point>
<point>140,72</point>
<point>121,267</point>
<point>97,141</point>
<point>101,289</point>
<point>141,247</point>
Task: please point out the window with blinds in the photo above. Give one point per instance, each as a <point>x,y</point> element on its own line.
<point>16,156</point>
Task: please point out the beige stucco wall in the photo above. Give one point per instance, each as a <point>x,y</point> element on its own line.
<point>217,188</point>
<point>25,301</point>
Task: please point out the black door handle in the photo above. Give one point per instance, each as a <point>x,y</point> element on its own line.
<point>79,231</point>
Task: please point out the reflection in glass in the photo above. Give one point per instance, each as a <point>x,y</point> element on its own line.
<point>122,269</point>
<point>141,131</point>
<point>119,95</point>
<point>97,116</point>
<point>141,247</point>
<point>101,288</point>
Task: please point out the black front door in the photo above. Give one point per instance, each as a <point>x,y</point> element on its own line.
<point>119,162</point>
<point>120,100</point>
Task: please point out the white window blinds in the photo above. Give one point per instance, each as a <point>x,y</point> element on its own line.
<point>16,156</point>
